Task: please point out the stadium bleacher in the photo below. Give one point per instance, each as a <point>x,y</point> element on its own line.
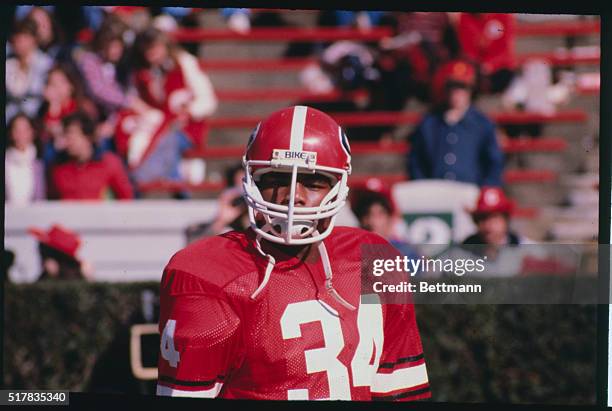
<point>247,86</point>
<point>248,79</point>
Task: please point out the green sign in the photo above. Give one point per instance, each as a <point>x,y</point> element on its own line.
<point>430,228</point>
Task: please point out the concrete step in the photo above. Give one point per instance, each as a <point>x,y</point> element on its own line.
<point>574,231</point>
<point>583,181</point>
<point>571,213</point>
<point>583,198</point>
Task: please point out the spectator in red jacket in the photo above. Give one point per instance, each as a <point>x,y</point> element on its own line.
<point>487,39</point>
<point>170,79</point>
<point>82,172</point>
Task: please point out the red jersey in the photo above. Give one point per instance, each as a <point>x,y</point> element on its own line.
<point>91,180</point>
<point>294,341</point>
<point>488,39</point>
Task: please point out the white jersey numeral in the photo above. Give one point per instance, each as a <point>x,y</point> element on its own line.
<point>324,358</point>
<point>369,324</point>
<point>167,344</point>
<point>371,338</point>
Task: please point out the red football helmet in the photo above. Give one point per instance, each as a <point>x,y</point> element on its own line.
<point>296,140</point>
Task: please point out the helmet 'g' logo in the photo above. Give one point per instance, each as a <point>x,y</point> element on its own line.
<point>344,141</point>
<point>252,137</point>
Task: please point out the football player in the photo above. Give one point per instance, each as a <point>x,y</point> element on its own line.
<point>275,312</point>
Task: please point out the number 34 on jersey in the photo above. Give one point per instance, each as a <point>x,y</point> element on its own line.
<point>384,364</point>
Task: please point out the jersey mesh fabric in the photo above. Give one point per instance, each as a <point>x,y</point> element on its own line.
<point>294,341</point>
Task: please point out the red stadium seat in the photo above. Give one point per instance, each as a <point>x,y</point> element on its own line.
<point>510,177</point>
<point>543,144</point>
<point>295,94</point>
<point>559,28</point>
<point>377,118</point>
<point>282,34</point>
<point>298,63</point>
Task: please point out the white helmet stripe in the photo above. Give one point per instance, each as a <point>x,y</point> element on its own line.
<point>298,123</point>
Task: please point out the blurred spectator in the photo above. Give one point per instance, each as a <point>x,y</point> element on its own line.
<point>375,210</point>
<point>231,209</point>
<point>178,97</point>
<point>26,71</point>
<point>487,40</point>
<point>241,20</point>
<point>22,11</point>
<point>72,19</point>
<point>81,171</point>
<point>423,41</point>
<point>170,79</point>
<point>63,96</point>
<point>374,213</point>
<point>153,146</point>
<point>67,21</point>
<point>492,218</point>
<point>135,18</point>
<point>94,16</point>
<point>495,240</point>
<point>172,18</point>
<point>58,254</point>
<point>231,214</point>
<point>23,172</point>
<point>455,141</point>
<point>179,13</point>
<point>347,67</point>
<point>362,19</point>
<point>238,19</point>
<point>48,33</point>
<point>234,176</point>
<point>99,68</point>
<point>533,91</point>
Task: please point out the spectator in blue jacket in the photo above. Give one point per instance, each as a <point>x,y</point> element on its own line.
<point>455,141</point>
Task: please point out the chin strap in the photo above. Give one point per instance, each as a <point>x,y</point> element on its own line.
<point>328,278</point>
<point>269,268</point>
<point>326,267</point>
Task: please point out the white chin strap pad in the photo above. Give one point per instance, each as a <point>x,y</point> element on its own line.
<point>300,228</point>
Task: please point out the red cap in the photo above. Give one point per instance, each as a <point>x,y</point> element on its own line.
<point>59,238</point>
<point>492,200</point>
<point>457,71</point>
<point>371,185</point>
